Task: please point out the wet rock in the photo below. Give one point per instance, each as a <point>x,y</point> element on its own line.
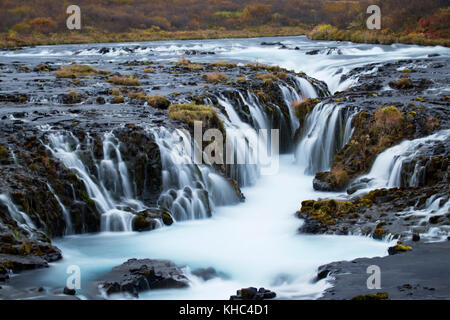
<point>69,292</point>
<point>145,274</point>
<point>313,52</point>
<point>252,293</point>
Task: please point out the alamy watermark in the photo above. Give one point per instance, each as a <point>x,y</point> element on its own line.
<point>374,21</point>
<point>73,282</point>
<point>238,147</point>
<point>73,22</point>
<point>374,280</point>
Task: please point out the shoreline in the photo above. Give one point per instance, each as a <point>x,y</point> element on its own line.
<point>411,275</point>
<point>317,34</point>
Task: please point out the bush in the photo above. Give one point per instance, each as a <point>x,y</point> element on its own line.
<point>388,119</point>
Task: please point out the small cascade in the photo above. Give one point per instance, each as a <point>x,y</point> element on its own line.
<point>242,138</point>
<point>110,200</point>
<point>69,228</point>
<point>290,95</point>
<point>386,172</point>
<point>190,190</point>
<point>327,129</point>
<point>307,89</point>
<point>22,219</point>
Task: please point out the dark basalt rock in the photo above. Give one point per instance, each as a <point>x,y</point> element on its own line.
<point>136,275</point>
<point>69,292</point>
<point>252,293</point>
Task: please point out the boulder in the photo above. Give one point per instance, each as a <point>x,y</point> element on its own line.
<point>136,275</point>
<point>252,293</point>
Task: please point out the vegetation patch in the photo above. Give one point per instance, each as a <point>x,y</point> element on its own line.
<point>77,70</point>
<point>124,81</point>
<point>189,112</point>
<point>371,297</point>
<point>215,77</point>
<point>158,102</point>
<point>373,133</point>
<point>303,107</point>
<point>402,83</point>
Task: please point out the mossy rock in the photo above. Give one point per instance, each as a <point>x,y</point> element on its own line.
<point>166,218</point>
<point>158,102</point>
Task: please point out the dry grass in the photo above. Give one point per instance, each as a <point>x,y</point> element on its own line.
<point>115,91</point>
<point>148,70</point>
<point>224,64</point>
<point>124,81</point>
<point>215,77</point>
<point>77,70</point>
<point>266,78</point>
<point>158,102</point>
<point>189,112</point>
<point>137,95</point>
<point>388,119</point>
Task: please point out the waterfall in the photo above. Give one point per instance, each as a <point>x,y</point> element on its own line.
<point>242,137</point>
<point>326,130</point>
<point>21,218</point>
<point>190,190</point>
<point>290,95</point>
<point>69,229</point>
<point>386,171</point>
<point>307,89</point>
<point>103,190</point>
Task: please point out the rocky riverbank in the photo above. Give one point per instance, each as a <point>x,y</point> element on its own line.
<point>407,100</point>
<point>415,200</point>
<point>416,274</point>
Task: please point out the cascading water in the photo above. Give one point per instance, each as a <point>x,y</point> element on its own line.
<point>327,129</point>
<point>109,189</point>
<point>22,219</point>
<point>386,172</point>
<point>190,190</point>
<point>68,221</point>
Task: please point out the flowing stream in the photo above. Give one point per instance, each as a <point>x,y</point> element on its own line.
<point>254,243</point>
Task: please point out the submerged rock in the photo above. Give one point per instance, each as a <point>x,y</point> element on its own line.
<point>136,275</point>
